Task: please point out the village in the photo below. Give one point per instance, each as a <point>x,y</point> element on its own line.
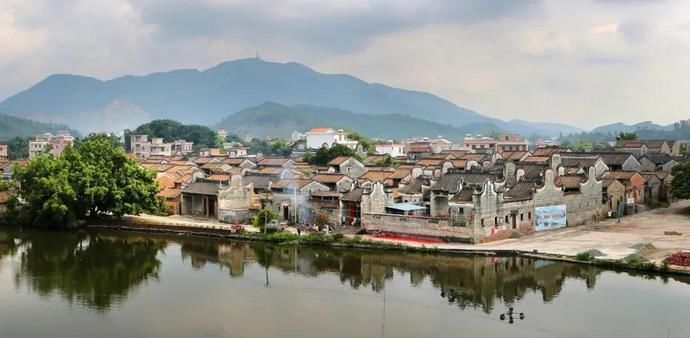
<point>478,190</point>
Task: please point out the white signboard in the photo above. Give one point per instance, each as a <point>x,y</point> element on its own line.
<point>550,217</point>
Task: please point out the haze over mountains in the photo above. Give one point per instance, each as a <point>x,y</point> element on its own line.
<point>277,120</point>
<point>303,97</point>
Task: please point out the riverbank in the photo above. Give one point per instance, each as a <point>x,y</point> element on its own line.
<point>639,242</point>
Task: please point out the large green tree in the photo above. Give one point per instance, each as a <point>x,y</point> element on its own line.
<point>171,130</point>
<point>327,154</point>
<point>93,178</point>
<point>17,148</point>
<point>680,186</point>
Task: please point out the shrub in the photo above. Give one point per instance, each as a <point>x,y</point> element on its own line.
<point>262,217</point>
<point>277,237</point>
<point>584,256</point>
<point>634,260</point>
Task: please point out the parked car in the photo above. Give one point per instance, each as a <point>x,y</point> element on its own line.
<point>275,225</point>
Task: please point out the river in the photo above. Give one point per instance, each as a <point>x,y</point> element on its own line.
<point>103,284</point>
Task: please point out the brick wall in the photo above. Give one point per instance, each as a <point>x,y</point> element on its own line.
<point>414,226</point>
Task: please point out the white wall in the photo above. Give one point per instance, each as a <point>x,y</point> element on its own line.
<point>316,141</point>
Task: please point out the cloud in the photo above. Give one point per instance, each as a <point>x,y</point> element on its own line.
<point>583,62</point>
<point>635,31</point>
<point>331,25</point>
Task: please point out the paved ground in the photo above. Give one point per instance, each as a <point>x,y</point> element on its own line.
<point>180,221</point>
<point>614,240</point>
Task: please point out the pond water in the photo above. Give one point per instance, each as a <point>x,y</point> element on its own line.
<point>102,284</point>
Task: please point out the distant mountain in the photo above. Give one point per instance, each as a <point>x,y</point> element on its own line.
<point>201,97</point>
<point>544,128</point>
<point>616,128</point>
<point>277,120</point>
<point>11,126</point>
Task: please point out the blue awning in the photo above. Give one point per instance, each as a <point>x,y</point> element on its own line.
<point>405,207</point>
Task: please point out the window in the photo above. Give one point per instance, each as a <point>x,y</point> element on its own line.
<point>522,217</point>
<point>506,218</point>
<point>482,222</point>
<point>529,215</point>
<point>495,220</point>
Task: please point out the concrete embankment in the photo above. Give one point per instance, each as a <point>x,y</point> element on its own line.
<point>615,246</point>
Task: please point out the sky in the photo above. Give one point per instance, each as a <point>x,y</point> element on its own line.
<point>585,62</point>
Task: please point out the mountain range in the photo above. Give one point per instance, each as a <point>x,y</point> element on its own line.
<point>616,128</point>
<point>259,98</point>
<point>277,120</point>
<point>11,126</point>
<point>208,96</point>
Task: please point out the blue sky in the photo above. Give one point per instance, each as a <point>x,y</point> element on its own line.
<point>584,62</point>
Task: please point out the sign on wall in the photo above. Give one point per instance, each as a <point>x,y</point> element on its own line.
<point>550,217</point>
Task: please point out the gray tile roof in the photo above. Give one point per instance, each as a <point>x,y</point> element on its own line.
<point>201,188</point>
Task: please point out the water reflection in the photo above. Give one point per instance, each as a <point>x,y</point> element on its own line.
<point>94,270</point>
<point>475,282</point>
<point>100,270</point>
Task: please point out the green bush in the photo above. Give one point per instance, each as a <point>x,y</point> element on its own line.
<point>277,237</point>
<point>584,256</point>
<point>634,260</point>
<point>318,238</point>
<point>262,217</point>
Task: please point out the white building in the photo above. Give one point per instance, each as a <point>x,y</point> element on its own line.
<point>182,147</point>
<point>40,145</point>
<point>503,142</point>
<point>297,136</point>
<point>144,148</point>
<point>320,137</point>
<point>391,148</point>
<point>236,152</point>
<point>160,148</point>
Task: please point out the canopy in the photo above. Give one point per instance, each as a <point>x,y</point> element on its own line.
<point>405,207</point>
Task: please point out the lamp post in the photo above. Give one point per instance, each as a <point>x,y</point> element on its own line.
<point>265,220</point>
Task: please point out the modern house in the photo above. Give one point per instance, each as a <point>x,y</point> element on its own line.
<point>47,143</point>
<point>391,148</point>
<point>327,137</point>
<point>503,142</point>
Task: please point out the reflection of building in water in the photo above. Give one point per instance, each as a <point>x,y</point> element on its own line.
<point>232,256</point>
<point>476,282</point>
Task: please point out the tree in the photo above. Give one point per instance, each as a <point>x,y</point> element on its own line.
<point>171,130</point>
<point>93,178</point>
<point>262,217</point>
<point>387,161</point>
<point>321,219</point>
<point>626,136</point>
<point>327,154</point>
<point>366,143</point>
<point>278,147</point>
<point>680,186</point>
<point>17,148</point>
